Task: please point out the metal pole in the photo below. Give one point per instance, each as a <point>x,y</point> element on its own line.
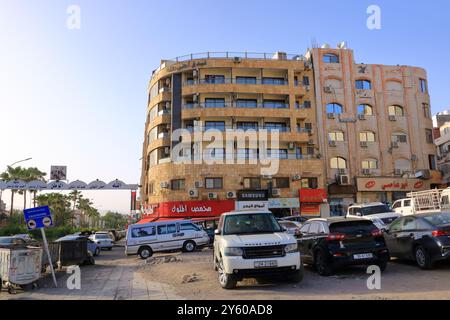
<point>44,238</point>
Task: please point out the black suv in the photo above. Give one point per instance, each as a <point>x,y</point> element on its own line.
<point>331,243</point>
<point>424,238</point>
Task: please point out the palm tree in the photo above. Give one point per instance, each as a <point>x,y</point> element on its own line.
<point>85,205</point>
<point>28,175</point>
<point>59,205</point>
<point>76,197</point>
<point>11,174</point>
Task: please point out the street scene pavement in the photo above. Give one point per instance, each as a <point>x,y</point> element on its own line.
<point>179,276</point>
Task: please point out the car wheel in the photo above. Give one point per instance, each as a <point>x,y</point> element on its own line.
<point>323,267</point>
<point>423,259</point>
<point>97,251</point>
<point>145,252</point>
<point>227,281</point>
<point>189,246</point>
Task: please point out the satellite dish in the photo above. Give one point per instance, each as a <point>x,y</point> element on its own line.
<point>325,46</point>
<point>342,45</point>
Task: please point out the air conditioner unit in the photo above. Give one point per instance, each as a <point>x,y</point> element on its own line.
<point>328,89</point>
<point>212,195</point>
<point>297,177</point>
<point>423,174</point>
<point>167,81</point>
<point>195,98</point>
<point>193,193</point>
<point>291,146</point>
<point>276,192</point>
<point>366,172</point>
<point>231,195</point>
<point>307,88</point>
<point>237,59</point>
<point>398,172</point>
<point>311,142</point>
<point>363,144</point>
<point>361,116</point>
<point>342,171</point>
<point>332,144</point>
<point>167,150</point>
<point>392,118</point>
<point>198,184</point>
<point>168,105</point>
<point>344,180</point>
<point>164,185</point>
<point>330,115</point>
<point>394,144</point>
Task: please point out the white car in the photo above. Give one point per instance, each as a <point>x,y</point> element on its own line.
<point>380,214</point>
<point>253,244</point>
<point>103,240</point>
<point>403,207</point>
<point>291,227</point>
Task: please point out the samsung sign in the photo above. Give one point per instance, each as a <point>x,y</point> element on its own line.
<point>253,195</point>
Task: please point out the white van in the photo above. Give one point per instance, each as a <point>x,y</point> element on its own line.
<point>145,239</point>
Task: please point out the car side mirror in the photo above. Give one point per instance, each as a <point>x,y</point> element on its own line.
<point>217,232</point>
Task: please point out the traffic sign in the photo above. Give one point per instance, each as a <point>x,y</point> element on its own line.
<point>37,218</point>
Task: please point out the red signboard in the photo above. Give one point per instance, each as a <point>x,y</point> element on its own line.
<point>313,195</point>
<point>310,209</point>
<point>192,209</point>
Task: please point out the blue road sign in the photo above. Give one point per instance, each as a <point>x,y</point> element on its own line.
<point>37,218</point>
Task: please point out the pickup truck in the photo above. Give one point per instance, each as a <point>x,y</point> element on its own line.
<point>380,214</point>
<point>252,244</point>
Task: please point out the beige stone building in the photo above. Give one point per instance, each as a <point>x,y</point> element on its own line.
<point>229,92</point>
<point>374,128</point>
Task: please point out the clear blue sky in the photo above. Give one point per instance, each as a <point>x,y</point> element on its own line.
<point>78,97</point>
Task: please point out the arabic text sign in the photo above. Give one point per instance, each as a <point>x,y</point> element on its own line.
<point>36,218</point>
<point>252,205</point>
<point>209,208</point>
<point>388,184</point>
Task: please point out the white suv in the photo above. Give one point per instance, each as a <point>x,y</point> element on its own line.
<point>253,244</point>
<point>380,214</point>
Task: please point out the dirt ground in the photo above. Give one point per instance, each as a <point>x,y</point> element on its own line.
<point>191,275</point>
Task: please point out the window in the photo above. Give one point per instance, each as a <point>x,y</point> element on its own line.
<point>274,81</point>
<point>252,183</point>
<point>246,103</point>
<point>432,161</point>
<point>246,80</point>
<point>334,108</point>
<point>330,58</point>
<point>275,104</point>
<point>365,109</point>
<point>336,136</point>
<point>409,224</point>
<point>367,136</point>
<point>429,135</point>
<point>218,125</point>
<point>369,164</point>
<point>213,183</point>
<point>214,103</point>
<point>213,79</point>
<point>363,85</point>
<point>247,154</point>
<point>314,228</point>
<point>396,111</point>
<point>298,153</point>
<point>214,154</point>
<point>247,125</point>
<point>309,183</point>
<point>143,232</point>
<point>151,187</point>
<point>188,226</point>
<point>281,183</point>
<point>306,81</point>
<point>308,126</point>
<point>423,85</point>
<point>306,105</point>
<point>426,110</point>
<point>310,151</point>
<point>399,137</point>
<point>277,153</point>
<point>276,126</point>
<point>165,229</point>
<point>177,184</point>
<point>338,163</point>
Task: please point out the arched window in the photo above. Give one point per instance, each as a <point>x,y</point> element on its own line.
<point>396,111</point>
<point>363,85</point>
<point>335,108</point>
<point>330,58</point>
<point>365,109</point>
<point>369,164</point>
<point>399,137</point>
<point>367,136</point>
<point>338,163</point>
<point>336,136</point>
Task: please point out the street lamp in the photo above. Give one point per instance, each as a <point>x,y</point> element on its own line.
<point>11,165</point>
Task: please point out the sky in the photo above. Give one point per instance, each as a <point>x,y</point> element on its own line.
<point>77,97</point>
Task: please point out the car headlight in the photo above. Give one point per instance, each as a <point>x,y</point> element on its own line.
<point>233,252</point>
<point>290,248</point>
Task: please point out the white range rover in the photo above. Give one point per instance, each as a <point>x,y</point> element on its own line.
<point>251,244</point>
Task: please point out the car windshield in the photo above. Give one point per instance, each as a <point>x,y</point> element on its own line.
<point>352,227</point>
<point>251,223</point>
<point>382,208</point>
<point>6,240</point>
<point>102,236</point>
<point>439,219</point>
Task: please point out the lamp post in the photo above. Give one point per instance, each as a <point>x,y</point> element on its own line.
<point>11,165</point>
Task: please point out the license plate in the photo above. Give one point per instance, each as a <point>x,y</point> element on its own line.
<point>363,256</point>
<point>266,264</point>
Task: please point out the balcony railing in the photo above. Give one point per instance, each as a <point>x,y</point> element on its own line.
<point>270,82</point>
<point>246,105</point>
<point>228,127</point>
<point>237,55</point>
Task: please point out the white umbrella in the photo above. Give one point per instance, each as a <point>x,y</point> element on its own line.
<point>16,184</point>
<point>57,185</point>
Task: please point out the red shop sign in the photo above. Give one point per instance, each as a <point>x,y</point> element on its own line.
<point>194,209</point>
<point>313,195</point>
<point>370,184</point>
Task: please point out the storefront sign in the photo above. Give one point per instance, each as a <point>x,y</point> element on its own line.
<point>185,209</point>
<point>253,195</point>
<point>313,195</point>
<point>279,203</point>
<point>252,205</point>
<point>310,209</point>
<point>388,184</point>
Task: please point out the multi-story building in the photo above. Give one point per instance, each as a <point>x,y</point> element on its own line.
<point>230,92</point>
<point>374,128</point>
<point>442,141</point>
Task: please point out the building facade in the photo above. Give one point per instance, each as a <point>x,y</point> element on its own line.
<point>442,141</point>
<point>231,92</point>
<point>375,128</point>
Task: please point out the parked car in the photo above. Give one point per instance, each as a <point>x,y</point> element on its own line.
<point>424,238</point>
<point>145,239</point>
<point>103,240</point>
<point>298,219</point>
<point>291,227</point>
<point>380,214</point>
<point>92,247</point>
<point>12,241</point>
<point>332,243</point>
<point>253,244</point>
<point>403,207</point>
<point>209,225</point>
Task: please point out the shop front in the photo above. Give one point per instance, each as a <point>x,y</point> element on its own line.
<point>252,200</point>
<point>313,202</point>
<point>387,190</point>
<point>340,197</point>
<point>284,207</point>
